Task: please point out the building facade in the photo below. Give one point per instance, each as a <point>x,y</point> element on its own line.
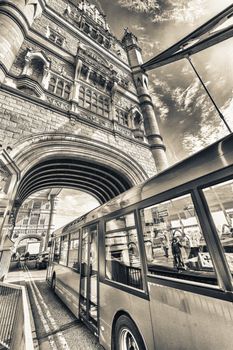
<point>35,219</point>
<point>74,105</point>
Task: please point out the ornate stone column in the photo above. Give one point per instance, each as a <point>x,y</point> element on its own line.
<point>141,81</point>
<point>9,178</point>
<point>53,199</point>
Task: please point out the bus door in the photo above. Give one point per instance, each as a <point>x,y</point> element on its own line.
<point>89,277</point>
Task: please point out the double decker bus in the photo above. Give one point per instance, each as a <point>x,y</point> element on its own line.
<point>152,268</point>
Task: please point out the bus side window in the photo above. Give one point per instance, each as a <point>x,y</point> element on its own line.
<point>64,250</point>
<point>56,256</point>
<point>122,258</point>
<point>73,257</point>
<point>220,201</point>
<point>174,243</point>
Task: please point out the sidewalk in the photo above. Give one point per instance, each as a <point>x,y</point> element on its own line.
<point>20,277</point>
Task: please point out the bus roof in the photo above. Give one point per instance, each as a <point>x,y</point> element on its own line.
<point>214,157</point>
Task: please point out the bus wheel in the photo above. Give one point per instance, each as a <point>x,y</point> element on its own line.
<point>127,336</point>
<point>53,283</point>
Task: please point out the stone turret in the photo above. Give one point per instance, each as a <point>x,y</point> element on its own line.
<point>16,18</point>
<point>141,81</point>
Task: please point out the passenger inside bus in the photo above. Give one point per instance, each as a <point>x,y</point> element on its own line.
<point>178,244</point>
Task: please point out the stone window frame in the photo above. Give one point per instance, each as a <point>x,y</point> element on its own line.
<point>34,219</point>
<point>28,79</point>
<point>96,34</point>
<point>55,37</point>
<point>94,102</point>
<point>59,87</point>
<point>136,120</point>
<point>122,117</point>
<point>42,221</point>
<point>25,221</point>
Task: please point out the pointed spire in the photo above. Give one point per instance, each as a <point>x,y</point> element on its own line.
<point>129,39</point>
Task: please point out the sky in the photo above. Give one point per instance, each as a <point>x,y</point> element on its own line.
<point>181,104</point>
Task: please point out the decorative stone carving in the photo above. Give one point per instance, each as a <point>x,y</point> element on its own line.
<point>35,73</point>
<point>58,103</point>
<point>5,178</point>
<point>88,53</point>
<point>123,102</point>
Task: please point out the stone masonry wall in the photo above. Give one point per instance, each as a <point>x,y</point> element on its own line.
<point>21,118</point>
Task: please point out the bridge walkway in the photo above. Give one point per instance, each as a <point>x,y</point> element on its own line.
<point>56,328</point>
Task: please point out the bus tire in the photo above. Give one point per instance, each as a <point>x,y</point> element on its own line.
<point>127,335</point>
<point>53,283</point>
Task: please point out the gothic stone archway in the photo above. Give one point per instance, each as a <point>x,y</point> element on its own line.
<point>28,236</point>
<point>61,160</point>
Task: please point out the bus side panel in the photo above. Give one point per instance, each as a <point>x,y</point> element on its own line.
<point>188,321</point>
<point>113,300</point>
<point>67,287</point>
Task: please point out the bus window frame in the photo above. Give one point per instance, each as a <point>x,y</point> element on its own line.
<point>166,196</point>
<point>143,293</point>
<point>54,240</point>
<point>88,227</point>
<point>68,255</point>
<point>194,187</point>
<point>64,235</point>
<point>226,279</point>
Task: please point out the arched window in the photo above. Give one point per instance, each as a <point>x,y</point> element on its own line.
<point>52,36</point>
<point>84,71</point>
<point>60,87</point>
<point>101,105</point>
<point>93,77</point>
<point>88,99</point>
<point>59,41</point>
<point>81,96</point>
<point>36,69</point>
<point>137,120</point>
<point>106,107</point>
<point>94,102</point>
<point>100,39</point>
<point>123,118</point>
<point>86,28</point>
<point>102,81</point>
<point>67,91</point>
<point>52,85</point>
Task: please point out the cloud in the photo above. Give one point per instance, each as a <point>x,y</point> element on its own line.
<point>211,126</point>
<point>160,106</point>
<point>72,204</point>
<point>167,10</point>
<point>185,99</point>
<point>180,11</point>
<point>139,5</point>
<point>148,46</point>
<point>138,28</point>
<point>157,92</point>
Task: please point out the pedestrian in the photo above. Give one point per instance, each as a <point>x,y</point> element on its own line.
<point>165,244</point>
<point>177,255</point>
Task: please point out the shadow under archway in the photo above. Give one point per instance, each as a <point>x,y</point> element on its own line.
<point>94,178</point>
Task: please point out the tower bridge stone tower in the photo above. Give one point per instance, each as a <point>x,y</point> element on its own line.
<point>74,105</point>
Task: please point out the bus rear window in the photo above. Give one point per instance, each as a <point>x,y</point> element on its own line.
<point>174,242</point>
<point>220,201</point>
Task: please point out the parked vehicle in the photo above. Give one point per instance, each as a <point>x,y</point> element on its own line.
<point>33,256</point>
<point>42,260</point>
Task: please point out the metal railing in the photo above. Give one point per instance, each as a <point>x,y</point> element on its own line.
<point>15,327</point>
